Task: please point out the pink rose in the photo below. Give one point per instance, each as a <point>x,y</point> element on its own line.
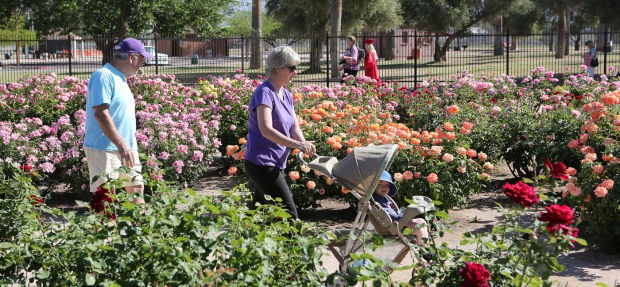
<point>600,191</point>
<point>447,157</point>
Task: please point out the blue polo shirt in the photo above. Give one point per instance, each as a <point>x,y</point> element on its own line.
<point>260,150</point>
<point>109,86</point>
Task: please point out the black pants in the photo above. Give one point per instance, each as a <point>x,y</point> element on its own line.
<point>348,72</point>
<point>269,180</point>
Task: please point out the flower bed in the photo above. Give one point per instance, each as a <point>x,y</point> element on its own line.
<point>449,134</point>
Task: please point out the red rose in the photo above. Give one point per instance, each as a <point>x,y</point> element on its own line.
<point>26,168</point>
<point>521,193</point>
<point>36,200</point>
<point>97,202</point>
<point>29,170</point>
<point>474,275</point>
<point>557,169</point>
<point>558,217</point>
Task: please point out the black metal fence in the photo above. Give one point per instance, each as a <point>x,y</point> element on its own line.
<point>404,55</point>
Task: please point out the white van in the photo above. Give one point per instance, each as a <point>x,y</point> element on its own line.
<point>162,59</point>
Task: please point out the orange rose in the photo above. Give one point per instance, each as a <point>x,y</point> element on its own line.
<point>242,141</point>
<point>451,136</point>
<point>598,169</point>
<point>432,177</point>
<point>293,175</point>
<point>610,99</point>
<point>485,176</point>
<point>587,198</point>
<point>231,149</point>
<point>488,166</point>
<point>471,153</point>
<point>310,184</point>
<point>435,150</point>
<point>453,109</point>
<point>337,146</point>
<point>232,170</point>
<point>398,177</point>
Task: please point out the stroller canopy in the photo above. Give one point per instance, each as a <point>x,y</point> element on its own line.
<point>361,169</point>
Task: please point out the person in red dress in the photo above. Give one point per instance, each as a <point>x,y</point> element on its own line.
<point>370,61</point>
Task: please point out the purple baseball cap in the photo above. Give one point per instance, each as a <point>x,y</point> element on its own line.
<point>131,45</point>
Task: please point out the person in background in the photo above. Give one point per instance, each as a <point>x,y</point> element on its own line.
<point>110,131</point>
<point>351,66</point>
<point>273,130</point>
<point>588,56</point>
<point>384,191</point>
<point>370,61</point>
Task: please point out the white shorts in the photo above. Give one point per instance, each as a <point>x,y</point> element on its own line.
<point>102,163</point>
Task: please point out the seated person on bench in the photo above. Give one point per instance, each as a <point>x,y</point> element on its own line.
<point>382,195</point>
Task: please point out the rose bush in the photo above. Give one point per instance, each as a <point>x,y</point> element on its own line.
<point>208,242</point>
<point>520,250</point>
<point>450,134</point>
<point>591,188</point>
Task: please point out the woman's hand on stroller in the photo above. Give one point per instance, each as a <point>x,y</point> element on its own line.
<point>307,147</point>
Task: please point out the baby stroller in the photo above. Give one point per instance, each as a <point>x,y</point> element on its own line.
<point>360,172</point>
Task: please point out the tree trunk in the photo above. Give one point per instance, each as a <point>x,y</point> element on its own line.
<point>335,21</point>
<point>551,42</point>
<point>578,42</point>
<point>316,48</point>
<point>256,61</point>
<point>437,51</point>
<point>498,41</point>
<point>513,43</point>
<point>561,40</point>
<point>388,49</point>
<point>567,35</point>
<point>106,45</point>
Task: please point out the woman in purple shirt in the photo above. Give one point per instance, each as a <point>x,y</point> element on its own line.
<point>273,130</point>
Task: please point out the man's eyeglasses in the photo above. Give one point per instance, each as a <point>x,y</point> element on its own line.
<point>292,68</point>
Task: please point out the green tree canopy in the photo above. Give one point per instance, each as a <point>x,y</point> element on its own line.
<point>311,17</point>
<point>123,18</point>
<point>443,16</point>
<point>240,23</point>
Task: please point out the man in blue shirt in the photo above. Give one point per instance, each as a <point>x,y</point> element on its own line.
<point>110,136</point>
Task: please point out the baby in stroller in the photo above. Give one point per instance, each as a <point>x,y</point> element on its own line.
<point>383,194</point>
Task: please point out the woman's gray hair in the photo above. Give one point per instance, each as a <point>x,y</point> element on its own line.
<point>281,57</point>
<point>121,55</point>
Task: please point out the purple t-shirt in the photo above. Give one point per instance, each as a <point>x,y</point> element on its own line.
<point>260,150</point>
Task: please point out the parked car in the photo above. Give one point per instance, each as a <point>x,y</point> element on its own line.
<point>162,59</point>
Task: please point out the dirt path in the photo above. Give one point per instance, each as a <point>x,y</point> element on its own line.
<point>584,266</point>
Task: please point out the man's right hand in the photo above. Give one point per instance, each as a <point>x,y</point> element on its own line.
<point>126,154</point>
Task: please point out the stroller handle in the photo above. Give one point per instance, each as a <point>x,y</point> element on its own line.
<point>300,157</point>
<point>322,164</point>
